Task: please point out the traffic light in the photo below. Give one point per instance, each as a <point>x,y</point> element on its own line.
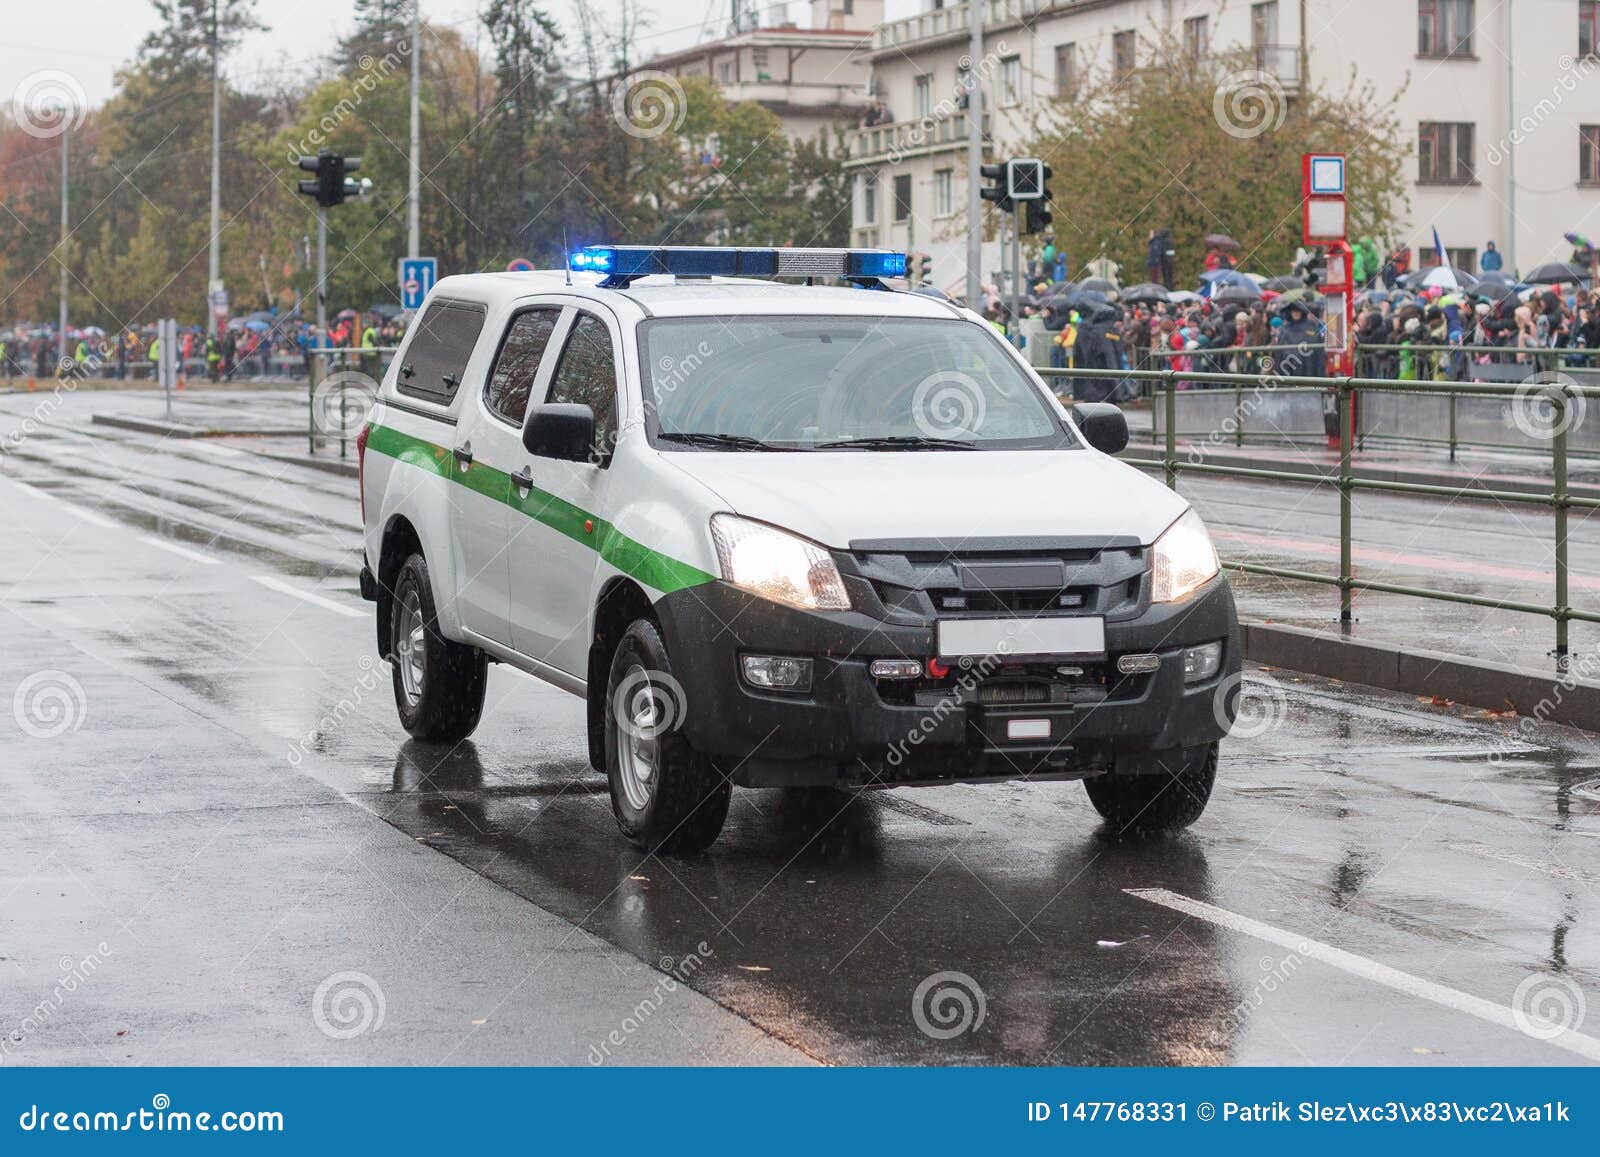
<point>1316,265</point>
<point>1037,216</point>
<point>995,192</point>
<point>921,268</point>
<point>332,186</point>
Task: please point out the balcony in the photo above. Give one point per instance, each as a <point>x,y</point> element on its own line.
<point>953,20</point>
<point>893,141</point>
<point>1281,61</point>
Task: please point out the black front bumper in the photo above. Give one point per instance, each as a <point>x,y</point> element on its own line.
<point>853,729</point>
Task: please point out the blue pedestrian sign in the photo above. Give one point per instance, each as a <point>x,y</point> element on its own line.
<point>417,275</point>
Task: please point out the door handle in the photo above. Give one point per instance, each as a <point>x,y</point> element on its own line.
<point>524,480</point>
<point>463,454</point>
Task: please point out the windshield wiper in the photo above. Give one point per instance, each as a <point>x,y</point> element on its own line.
<point>717,441</point>
<point>897,442</point>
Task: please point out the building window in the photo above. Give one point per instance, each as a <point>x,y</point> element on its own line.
<point>922,96</point>
<point>1589,154</point>
<point>1123,47</point>
<point>1197,38</point>
<point>1589,27</point>
<point>902,197</point>
<point>944,184</point>
<point>725,72</point>
<point>1066,69</point>
<point>1465,260</point>
<point>1444,153</point>
<point>758,57</point>
<point>869,199</point>
<point>1444,28</point>
<point>1264,24</point>
<point>1011,81</point>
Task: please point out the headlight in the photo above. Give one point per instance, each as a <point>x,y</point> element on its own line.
<point>1185,559</point>
<point>777,565</point>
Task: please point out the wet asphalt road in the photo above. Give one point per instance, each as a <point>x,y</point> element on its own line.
<point>234,809</point>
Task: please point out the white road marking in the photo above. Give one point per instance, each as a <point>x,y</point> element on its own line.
<point>180,551</point>
<point>1574,1042</point>
<point>89,516</point>
<point>279,585</point>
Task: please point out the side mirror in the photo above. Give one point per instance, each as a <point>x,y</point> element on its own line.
<point>1103,425</point>
<point>561,430</point>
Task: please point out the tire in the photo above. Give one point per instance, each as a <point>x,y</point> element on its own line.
<point>440,694</point>
<point>667,797</point>
<point>1157,801</point>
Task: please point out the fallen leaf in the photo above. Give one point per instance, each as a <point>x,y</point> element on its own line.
<point>754,968</point>
<point>1426,1052</point>
<point>646,879</point>
<point>481,1021</point>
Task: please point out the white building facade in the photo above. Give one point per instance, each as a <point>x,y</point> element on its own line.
<point>1499,101</point>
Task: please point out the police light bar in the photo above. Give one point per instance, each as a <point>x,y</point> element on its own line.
<point>623,263</point>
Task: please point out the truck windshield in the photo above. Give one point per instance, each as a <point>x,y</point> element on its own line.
<point>839,383</point>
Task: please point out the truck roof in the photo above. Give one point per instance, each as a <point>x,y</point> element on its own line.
<point>666,296</point>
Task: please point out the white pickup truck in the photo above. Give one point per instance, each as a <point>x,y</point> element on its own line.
<point>784,535</point>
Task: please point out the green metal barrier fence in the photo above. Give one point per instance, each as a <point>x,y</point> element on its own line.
<point>1561,396</point>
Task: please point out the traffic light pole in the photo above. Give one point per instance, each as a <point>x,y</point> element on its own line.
<point>1019,279</point>
<point>322,277</point>
<point>975,158</point>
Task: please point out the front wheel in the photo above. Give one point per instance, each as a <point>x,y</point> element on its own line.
<point>1163,800</point>
<point>666,796</point>
<point>439,685</point>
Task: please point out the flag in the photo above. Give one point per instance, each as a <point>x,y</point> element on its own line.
<point>1438,247</point>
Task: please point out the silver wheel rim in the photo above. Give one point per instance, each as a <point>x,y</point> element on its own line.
<point>638,745</point>
<point>411,647</point>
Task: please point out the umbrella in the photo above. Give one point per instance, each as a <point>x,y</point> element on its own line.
<point>1446,277</point>
<point>344,313</point>
<point>1579,240</point>
<point>1494,289</point>
<point>1146,291</point>
<point>1220,241</point>
<point>1236,295</point>
<point>1099,285</point>
<point>1184,296</point>
<point>1282,282</point>
<point>255,325</point>
<point>1555,272</point>
<point>1299,294</point>
<point>384,309</point>
<point>1083,298</point>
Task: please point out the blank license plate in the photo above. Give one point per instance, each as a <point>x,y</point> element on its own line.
<point>1022,636</point>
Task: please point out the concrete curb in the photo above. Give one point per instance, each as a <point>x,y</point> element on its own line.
<point>346,467</point>
<point>1569,699</point>
<point>1150,457</point>
<point>184,430</point>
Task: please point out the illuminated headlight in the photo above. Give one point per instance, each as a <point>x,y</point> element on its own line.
<point>1185,559</point>
<point>777,565</point>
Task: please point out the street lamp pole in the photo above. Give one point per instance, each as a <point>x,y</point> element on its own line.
<point>215,269</point>
<point>975,157</point>
<point>414,194</point>
<point>61,256</point>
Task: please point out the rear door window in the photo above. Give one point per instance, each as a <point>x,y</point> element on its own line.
<point>516,366</point>
<point>436,356</point>
<point>587,374</point>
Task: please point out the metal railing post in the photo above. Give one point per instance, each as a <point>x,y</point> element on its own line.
<point>1170,404</point>
<point>1560,402</point>
<point>311,403</point>
<point>1238,413</point>
<point>1346,396</point>
<point>1453,398</point>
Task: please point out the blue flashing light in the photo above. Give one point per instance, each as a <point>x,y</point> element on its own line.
<point>623,263</point>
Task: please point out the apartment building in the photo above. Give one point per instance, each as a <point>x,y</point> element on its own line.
<point>813,78</point>
<point>1500,102</point>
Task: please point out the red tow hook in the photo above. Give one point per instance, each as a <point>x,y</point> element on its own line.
<point>936,669</point>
